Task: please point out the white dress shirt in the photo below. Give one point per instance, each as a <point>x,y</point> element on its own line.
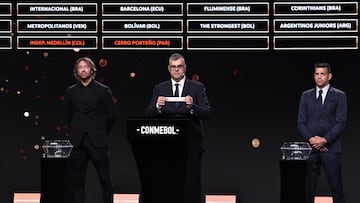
<point>324,92</point>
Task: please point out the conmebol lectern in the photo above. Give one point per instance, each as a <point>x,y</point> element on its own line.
<point>160,148</point>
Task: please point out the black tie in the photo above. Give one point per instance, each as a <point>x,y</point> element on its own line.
<point>176,94</point>
<point>320,97</point>
<point>176,90</point>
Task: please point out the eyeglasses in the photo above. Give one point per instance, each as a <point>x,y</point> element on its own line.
<point>176,67</point>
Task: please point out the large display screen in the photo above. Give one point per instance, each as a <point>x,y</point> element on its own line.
<point>255,57</point>
<point>178,25</point>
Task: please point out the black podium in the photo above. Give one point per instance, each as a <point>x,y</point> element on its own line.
<point>294,181</point>
<point>53,172</point>
<point>160,148</point>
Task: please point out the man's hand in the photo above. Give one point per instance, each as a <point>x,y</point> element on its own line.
<point>318,142</point>
<point>189,101</point>
<point>161,101</point>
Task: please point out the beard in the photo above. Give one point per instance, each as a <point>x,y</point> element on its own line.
<point>85,77</point>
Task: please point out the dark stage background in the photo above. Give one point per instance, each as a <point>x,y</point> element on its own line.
<point>253,95</point>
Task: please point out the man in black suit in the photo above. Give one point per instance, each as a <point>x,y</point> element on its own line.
<point>321,120</point>
<point>192,103</point>
<point>91,112</point>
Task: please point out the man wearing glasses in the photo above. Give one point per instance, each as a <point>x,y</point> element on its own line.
<point>182,97</point>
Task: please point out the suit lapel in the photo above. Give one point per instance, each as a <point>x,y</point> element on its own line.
<point>169,90</point>
<point>314,99</point>
<point>186,89</point>
<point>327,99</point>
<point>328,96</point>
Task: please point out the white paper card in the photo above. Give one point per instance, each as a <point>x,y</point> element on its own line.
<point>175,99</point>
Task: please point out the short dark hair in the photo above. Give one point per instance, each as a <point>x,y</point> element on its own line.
<point>176,56</point>
<point>323,65</point>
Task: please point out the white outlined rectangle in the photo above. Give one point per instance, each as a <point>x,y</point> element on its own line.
<point>6,40</point>
<point>263,40</point>
<point>140,13</point>
<point>59,21</point>
<point>354,39</point>
<point>8,5</point>
<point>314,20</point>
<point>70,38</point>
<point>181,30</point>
<point>312,4</point>
<point>249,14</point>
<point>53,5</point>
<point>9,25</point>
<point>126,38</point>
<point>228,20</point>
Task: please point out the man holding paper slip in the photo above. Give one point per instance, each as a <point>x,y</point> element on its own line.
<point>182,97</point>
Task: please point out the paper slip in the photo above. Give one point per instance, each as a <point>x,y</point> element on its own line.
<point>175,99</point>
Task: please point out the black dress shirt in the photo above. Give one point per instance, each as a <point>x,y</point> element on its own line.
<point>90,109</point>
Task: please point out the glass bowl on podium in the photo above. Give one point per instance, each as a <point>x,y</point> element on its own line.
<point>57,148</point>
<point>295,150</point>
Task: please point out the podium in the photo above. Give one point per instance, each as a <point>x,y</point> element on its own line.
<point>293,181</point>
<point>53,180</point>
<point>54,163</point>
<point>293,171</point>
<point>161,148</point>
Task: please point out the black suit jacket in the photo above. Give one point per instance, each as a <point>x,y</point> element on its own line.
<point>200,109</point>
<point>89,109</point>
<point>328,121</point>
